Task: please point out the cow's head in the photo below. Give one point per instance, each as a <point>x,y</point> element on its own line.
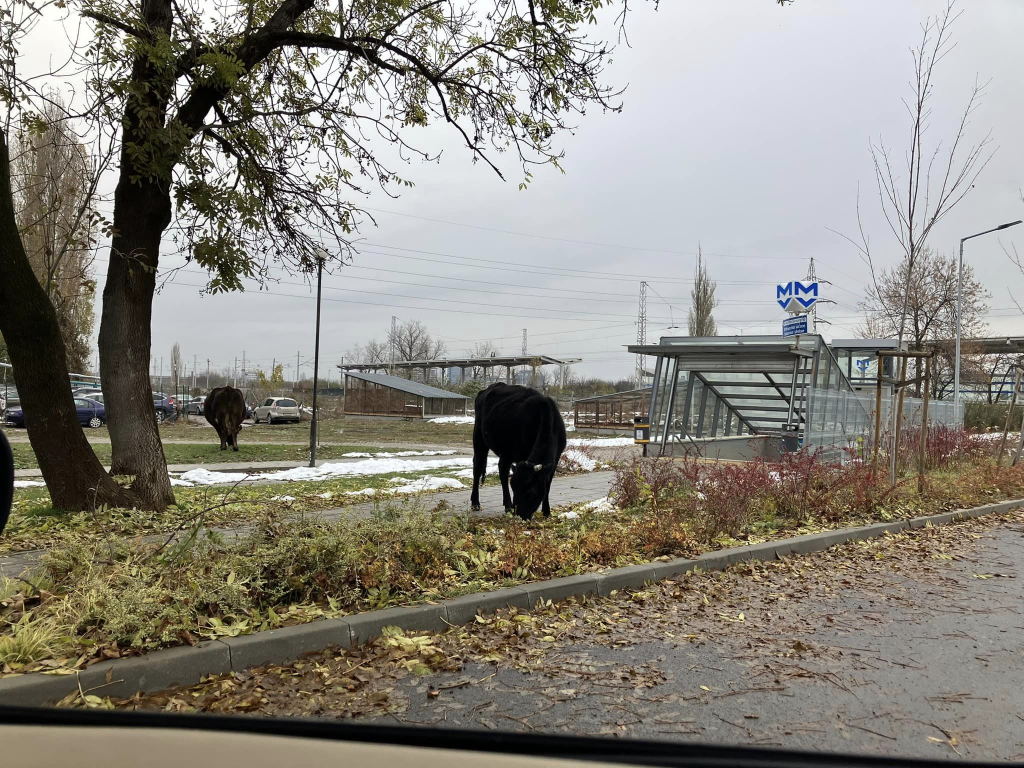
<point>529,483</point>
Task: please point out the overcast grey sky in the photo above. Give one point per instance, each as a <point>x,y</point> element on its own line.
<point>745,128</point>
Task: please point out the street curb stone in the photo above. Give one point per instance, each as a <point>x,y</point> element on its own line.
<point>560,589</point>
<point>367,626</point>
<point>630,577</point>
<point>278,645</point>
<point>463,610</point>
<point>187,665</point>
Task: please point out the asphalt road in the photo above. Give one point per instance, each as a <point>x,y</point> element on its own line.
<point>912,645</point>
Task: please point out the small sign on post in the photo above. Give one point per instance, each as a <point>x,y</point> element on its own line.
<point>641,430</point>
<point>794,326</point>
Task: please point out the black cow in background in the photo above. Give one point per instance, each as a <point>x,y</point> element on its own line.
<point>224,408</point>
<point>6,480</point>
<point>525,430</point>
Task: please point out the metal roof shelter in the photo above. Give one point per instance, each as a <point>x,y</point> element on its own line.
<point>377,395</point>
<point>613,412</point>
<point>722,387</point>
<point>447,364</point>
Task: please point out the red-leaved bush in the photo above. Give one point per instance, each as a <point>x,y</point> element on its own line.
<point>712,499</point>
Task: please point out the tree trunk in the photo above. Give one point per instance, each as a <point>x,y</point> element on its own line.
<point>74,476</point>
<point>141,213</point>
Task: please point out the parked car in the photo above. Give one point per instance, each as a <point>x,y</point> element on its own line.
<point>164,407</point>
<point>276,409</point>
<point>91,413</point>
<point>195,405</point>
<point>9,399</point>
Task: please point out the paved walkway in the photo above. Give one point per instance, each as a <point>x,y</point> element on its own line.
<point>570,489</point>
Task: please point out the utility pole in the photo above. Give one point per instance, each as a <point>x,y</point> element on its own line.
<point>524,342</point>
<point>316,365</point>
<point>394,341</point>
<point>194,362</point>
<point>161,374</point>
<point>207,375</point>
<point>641,333</point>
<point>296,386</point>
<point>234,374</point>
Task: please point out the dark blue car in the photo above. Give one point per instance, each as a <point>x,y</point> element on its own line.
<point>91,413</point>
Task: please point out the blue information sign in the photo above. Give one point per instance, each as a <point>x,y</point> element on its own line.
<point>796,296</point>
<point>794,326</point>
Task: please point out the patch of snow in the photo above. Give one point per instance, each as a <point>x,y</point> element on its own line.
<point>569,515</point>
<point>453,420</point>
<point>183,483</point>
<point>282,498</point>
<point>29,484</point>
<point>201,476</point>
<point>325,495</point>
<point>467,474</point>
<point>411,485</point>
<point>428,483</point>
<point>602,505</point>
<point>575,461</point>
<point>601,442</point>
<point>386,455</point>
<point>366,467</point>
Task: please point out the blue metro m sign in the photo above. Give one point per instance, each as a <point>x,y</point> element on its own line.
<point>796,296</point>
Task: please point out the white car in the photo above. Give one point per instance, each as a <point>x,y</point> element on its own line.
<point>276,409</point>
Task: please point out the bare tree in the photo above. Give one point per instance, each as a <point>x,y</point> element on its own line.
<point>935,179</point>
<point>700,321</point>
<point>372,352</point>
<point>412,341</point>
<point>917,191</point>
<point>53,181</point>
<point>482,349</point>
<point>930,298</point>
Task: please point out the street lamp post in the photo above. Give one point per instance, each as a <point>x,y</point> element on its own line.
<point>316,359</point>
<point>959,303</point>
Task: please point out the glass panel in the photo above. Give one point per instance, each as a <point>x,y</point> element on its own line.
<point>693,413</point>
<point>660,405</point>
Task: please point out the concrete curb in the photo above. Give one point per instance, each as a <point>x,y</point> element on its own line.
<point>187,665</point>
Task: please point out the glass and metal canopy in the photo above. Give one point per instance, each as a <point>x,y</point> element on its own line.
<point>728,386</point>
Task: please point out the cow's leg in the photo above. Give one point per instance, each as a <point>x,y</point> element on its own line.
<point>479,469</point>
<point>546,507</point>
<point>223,441</point>
<point>234,441</point>
<point>503,467</point>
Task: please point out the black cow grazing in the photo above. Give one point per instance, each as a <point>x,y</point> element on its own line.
<point>224,408</point>
<point>525,430</point>
<point>6,480</point>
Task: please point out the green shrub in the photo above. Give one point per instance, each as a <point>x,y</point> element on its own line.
<point>990,417</point>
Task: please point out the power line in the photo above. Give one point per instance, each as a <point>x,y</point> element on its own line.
<point>570,240</point>
<point>579,274</point>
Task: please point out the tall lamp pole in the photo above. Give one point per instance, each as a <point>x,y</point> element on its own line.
<point>959,307</point>
<point>316,358</point>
